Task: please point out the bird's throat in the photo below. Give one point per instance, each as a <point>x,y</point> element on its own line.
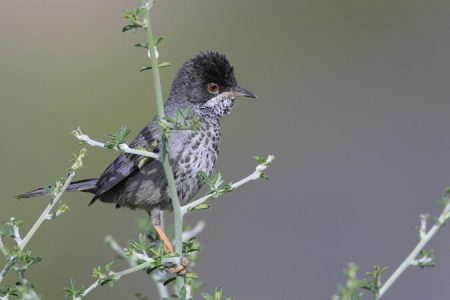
<point>218,106</point>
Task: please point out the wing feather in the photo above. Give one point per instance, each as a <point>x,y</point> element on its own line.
<point>125,164</point>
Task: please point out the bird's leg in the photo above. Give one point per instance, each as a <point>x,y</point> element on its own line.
<point>168,247</point>
<point>155,218</point>
<point>155,215</point>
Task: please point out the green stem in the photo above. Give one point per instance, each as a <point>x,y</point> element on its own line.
<point>46,212</point>
<point>254,176</point>
<point>257,174</point>
<point>134,269</point>
<point>7,267</point>
<point>411,258</point>
<point>3,248</point>
<point>178,217</point>
<point>118,275</point>
<point>38,223</point>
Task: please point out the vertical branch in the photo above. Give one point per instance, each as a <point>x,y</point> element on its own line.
<point>178,217</point>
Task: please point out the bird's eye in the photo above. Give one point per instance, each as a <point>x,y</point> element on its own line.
<point>213,88</point>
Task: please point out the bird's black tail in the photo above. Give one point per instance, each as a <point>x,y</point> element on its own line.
<point>86,185</point>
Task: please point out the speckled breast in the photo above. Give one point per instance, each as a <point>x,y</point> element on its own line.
<point>199,153</point>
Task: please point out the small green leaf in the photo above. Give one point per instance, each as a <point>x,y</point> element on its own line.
<point>191,246</point>
<point>164,64</point>
<point>159,40</point>
<point>218,294</point>
<point>169,281</point>
<point>200,207</point>
<point>204,176</point>
<point>10,291</point>
<point>26,257</point>
<point>372,281</point>
<point>17,222</point>
<point>7,230</point>
<point>260,160</point>
<point>425,259</point>
<point>97,273</point>
<point>140,296</point>
<point>109,266</point>
<point>74,291</point>
<point>145,68</point>
<point>141,45</point>
<point>263,175</point>
<point>130,27</point>
<point>161,65</point>
<point>207,296</point>
<point>264,161</point>
<point>191,275</point>
<point>139,11</point>
<point>150,270</point>
<point>108,280</point>
<point>143,161</point>
<point>183,293</point>
<point>118,138</point>
<point>132,16</point>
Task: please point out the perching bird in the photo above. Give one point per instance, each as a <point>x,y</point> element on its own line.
<point>207,86</point>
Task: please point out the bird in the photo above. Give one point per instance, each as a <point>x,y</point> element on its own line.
<point>206,87</point>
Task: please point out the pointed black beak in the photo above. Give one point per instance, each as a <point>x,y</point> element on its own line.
<point>240,92</point>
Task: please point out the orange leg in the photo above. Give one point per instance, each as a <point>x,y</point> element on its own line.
<point>162,235</point>
<point>168,247</point>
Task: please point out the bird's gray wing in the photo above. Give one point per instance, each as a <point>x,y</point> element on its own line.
<point>125,164</point>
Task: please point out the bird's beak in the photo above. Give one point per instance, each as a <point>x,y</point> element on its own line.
<point>240,92</point>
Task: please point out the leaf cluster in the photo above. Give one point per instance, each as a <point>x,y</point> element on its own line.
<point>107,277</point>
<point>149,250</point>
<point>160,65</point>
<point>77,160</point>
<point>11,229</point>
<point>352,289</point>
<point>191,246</point>
<point>115,139</point>
<point>182,121</point>
<point>215,183</point>
<point>372,281</point>
<point>19,260</point>
<point>133,17</point>
<point>217,295</point>
<point>136,20</point>
<point>263,163</point>
<point>62,208</point>
<point>73,290</point>
<point>153,148</point>
<point>425,259</point>
<point>11,291</point>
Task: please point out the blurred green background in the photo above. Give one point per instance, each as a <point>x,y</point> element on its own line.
<point>353,101</point>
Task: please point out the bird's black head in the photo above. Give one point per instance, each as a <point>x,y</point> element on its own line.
<point>207,82</point>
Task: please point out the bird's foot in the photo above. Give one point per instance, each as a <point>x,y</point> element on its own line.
<point>182,268</point>
<point>169,248</point>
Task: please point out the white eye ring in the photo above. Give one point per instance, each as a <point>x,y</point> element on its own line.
<point>213,88</point>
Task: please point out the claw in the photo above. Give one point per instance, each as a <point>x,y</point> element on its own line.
<point>181,269</point>
<point>168,247</point>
